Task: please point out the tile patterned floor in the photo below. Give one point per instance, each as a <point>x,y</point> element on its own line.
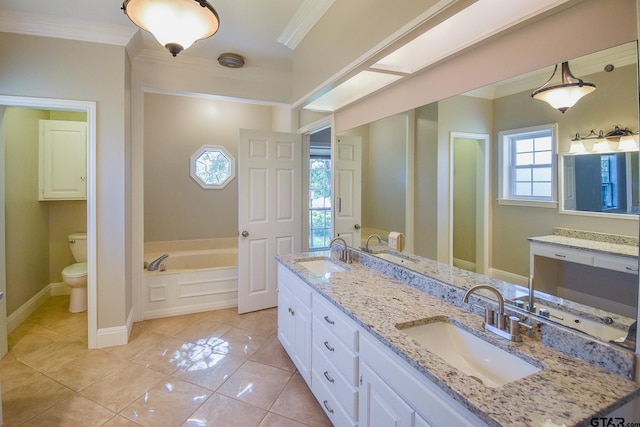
<point>216,368</point>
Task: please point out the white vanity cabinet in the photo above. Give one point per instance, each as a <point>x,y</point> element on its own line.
<point>62,160</point>
<point>294,320</point>
<point>393,393</point>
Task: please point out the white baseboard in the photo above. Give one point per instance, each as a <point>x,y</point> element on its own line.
<point>59,288</point>
<point>25,310</point>
<point>466,265</point>
<point>117,335</point>
<point>506,276</point>
<point>194,308</point>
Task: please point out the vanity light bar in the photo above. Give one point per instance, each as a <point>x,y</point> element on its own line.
<point>627,140</point>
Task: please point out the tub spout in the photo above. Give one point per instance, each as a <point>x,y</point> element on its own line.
<point>153,265</point>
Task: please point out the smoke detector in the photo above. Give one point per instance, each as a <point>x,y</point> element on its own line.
<point>231,60</point>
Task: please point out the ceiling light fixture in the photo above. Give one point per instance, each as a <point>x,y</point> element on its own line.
<point>176,24</point>
<point>564,95</point>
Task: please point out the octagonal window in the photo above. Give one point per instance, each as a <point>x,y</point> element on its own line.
<point>212,166</point>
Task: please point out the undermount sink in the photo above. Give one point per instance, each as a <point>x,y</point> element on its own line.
<point>394,258</point>
<point>322,266</point>
<point>486,363</point>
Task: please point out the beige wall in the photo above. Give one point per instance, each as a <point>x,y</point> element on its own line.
<point>384,174</point>
<point>464,200</point>
<point>426,180</point>
<point>176,207</point>
<point>66,69</point>
<point>27,219</point>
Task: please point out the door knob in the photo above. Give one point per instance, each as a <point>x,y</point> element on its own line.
<point>357,226</point>
<point>245,233</point>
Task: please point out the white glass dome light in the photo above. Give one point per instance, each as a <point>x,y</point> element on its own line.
<point>176,24</point>
<point>566,94</point>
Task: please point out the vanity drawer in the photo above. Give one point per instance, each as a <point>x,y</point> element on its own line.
<point>336,322</point>
<point>617,263</point>
<point>335,382</point>
<point>295,284</point>
<point>563,254</point>
<point>329,403</point>
<point>335,351</point>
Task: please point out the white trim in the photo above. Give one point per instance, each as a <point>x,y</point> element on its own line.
<point>25,310</point>
<point>307,15</point>
<point>529,203</point>
<point>64,28</point>
<point>92,261</point>
<point>464,264</point>
<point>193,308</point>
<point>628,217</point>
<point>59,288</point>
<point>509,277</point>
<point>118,335</point>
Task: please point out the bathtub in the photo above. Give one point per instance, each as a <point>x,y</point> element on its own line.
<point>200,275</point>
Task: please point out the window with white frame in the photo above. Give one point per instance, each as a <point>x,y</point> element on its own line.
<point>528,166</point>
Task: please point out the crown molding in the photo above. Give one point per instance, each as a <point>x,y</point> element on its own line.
<point>308,14</point>
<point>54,26</point>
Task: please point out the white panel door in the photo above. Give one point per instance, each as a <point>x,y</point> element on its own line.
<point>269,212</point>
<point>348,189</point>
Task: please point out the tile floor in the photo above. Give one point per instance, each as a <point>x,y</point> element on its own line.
<point>216,368</point>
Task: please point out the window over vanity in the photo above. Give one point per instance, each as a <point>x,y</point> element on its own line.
<point>528,166</point>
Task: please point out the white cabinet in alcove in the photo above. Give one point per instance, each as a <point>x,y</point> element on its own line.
<point>62,160</point>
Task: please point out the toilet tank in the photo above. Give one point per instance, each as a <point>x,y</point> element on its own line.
<point>78,245</point>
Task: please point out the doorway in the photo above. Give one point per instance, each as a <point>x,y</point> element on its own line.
<point>89,108</point>
<point>469,201</point>
<point>319,200</point>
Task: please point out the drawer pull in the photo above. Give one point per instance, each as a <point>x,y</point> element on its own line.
<point>329,321</point>
<point>328,377</point>
<point>635,270</point>
<point>561,256</point>
<point>326,344</point>
<point>292,312</point>
<point>326,405</point>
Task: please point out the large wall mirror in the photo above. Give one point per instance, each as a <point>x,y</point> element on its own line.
<point>401,173</point>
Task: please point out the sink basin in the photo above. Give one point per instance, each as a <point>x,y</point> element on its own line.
<point>486,363</point>
<point>322,266</point>
<point>394,258</point>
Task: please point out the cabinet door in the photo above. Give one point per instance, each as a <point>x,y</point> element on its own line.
<point>286,327</point>
<point>302,341</point>
<point>380,406</point>
<point>63,160</point>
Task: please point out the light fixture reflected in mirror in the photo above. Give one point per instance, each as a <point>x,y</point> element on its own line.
<point>176,24</point>
<point>564,95</point>
<point>626,139</point>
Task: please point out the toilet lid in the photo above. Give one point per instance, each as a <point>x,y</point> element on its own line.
<point>75,270</point>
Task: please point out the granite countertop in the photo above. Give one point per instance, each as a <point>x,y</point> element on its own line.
<point>591,241</point>
<point>567,391</point>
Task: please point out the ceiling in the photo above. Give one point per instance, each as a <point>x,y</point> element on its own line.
<point>250,28</point>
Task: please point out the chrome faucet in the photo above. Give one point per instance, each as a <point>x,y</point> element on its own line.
<point>380,240</point>
<point>155,264</point>
<point>344,253</point>
<point>491,319</point>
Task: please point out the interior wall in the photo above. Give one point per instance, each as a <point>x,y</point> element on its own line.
<point>69,69</point>
<point>27,219</point>
<point>175,206</point>
<point>464,199</point>
<point>384,176</point>
<point>426,179</point>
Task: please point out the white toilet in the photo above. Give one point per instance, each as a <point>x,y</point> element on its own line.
<point>75,275</point>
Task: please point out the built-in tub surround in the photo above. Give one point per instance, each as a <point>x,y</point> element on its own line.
<point>566,390</point>
<point>198,275</point>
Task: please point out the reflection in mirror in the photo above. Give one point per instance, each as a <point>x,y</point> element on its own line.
<point>606,183</point>
<point>506,106</point>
